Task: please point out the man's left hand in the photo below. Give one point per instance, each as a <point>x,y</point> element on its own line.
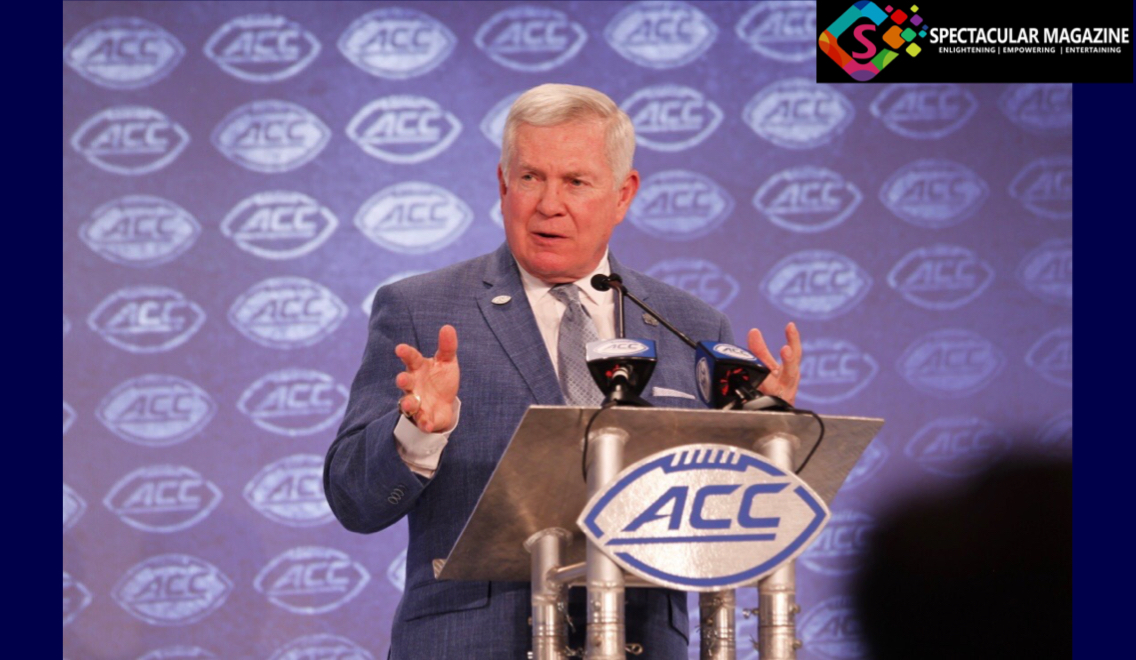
<point>786,374</point>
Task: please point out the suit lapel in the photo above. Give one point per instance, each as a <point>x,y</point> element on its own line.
<point>516,329</point>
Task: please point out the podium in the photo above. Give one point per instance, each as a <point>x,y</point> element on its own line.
<point>540,520</point>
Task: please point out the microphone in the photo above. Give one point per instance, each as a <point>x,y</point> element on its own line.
<point>621,369</point>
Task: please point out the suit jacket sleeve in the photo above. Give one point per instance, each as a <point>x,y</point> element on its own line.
<point>367,484</point>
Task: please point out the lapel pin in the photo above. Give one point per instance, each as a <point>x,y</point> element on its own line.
<point>650,320</point>
<point>501,300</point>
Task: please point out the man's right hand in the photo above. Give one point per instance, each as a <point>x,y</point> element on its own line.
<point>430,384</point>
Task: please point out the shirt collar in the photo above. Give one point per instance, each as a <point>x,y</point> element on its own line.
<point>539,288</point>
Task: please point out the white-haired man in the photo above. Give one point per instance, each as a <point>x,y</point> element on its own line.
<point>566,180</point>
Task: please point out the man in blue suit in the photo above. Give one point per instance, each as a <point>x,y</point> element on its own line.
<point>409,446</point>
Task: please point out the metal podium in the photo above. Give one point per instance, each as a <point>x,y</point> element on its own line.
<point>538,520</point>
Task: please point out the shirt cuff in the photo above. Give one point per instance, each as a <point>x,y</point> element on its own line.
<point>421,451</point>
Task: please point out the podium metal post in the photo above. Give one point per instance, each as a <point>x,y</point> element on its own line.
<point>549,597</point>
<point>777,593</point>
<point>718,636</point>
<point>607,631</point>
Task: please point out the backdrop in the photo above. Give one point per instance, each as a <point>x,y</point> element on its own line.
<point>239,178</point>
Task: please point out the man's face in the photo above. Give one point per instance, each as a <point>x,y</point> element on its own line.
<point>560,201</point>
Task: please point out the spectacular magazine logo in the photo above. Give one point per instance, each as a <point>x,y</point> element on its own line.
<point>866,39</point>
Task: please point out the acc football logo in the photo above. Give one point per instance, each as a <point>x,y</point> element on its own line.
<point>130,140</point>
<point>73,507</point>
<point>172,590</point>
<point>816,284</point>
<point>403,129</point>
<point>1047,271</point>
<point>797,113</point>
<point>1045,108</point>
<point>146,319</point>
<point>832,630</point>
<point>287,312</point>
<point>839,550</point>
<point>396,572</point>
<point>397,43</point>
<point>940,276</point>
<point>1057,434</point>
<point>661,34</point>
<point>679,205</point>
<point>290,491</point>
<point>496,215</point>
<point>957,446</point>
<point>311,580</point>
<point>270,136</point>
<point>68,417</point>
<point>413,217</point>
<point>76,597</point>
<point>671,117</point>
<point>262,48</point>
<point>807,199</point>
<point>140,231</point>
<point>162,498</point>
<point>616,348</point>
<point>294,402</point>
<point>311,647</point>
<point>493,125</point>
<point>279,224</point>
<point>156,411</point>
<point>369,302</point>
<point>530,38</point>
<point>767,517</point>
<point>66,325</point>
<point>869,464</point>
<point>123,53</point>
<point>834,370</point>
<point>950,363</point>
<point>924,111</point>
<point>177,653</point>
<point>934,193</point>
<point>1045,187</point>
<point>783,30</point>
<point>1052,356</point>
<point>698,277</point>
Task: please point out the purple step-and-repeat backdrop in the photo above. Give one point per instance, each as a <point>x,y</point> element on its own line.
<point>239,178</point>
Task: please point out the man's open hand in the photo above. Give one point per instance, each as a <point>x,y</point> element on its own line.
<point>430,384</point>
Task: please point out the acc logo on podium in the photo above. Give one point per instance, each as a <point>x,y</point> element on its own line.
<point>734,516</point>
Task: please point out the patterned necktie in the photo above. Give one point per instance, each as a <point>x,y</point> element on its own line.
<point>576,330</point>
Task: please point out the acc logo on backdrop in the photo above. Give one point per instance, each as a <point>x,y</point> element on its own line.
<point>1052,356</point>
<point>403,129</point>
<point>68,417</point>
<point>311,580</point>
<point>369,302</point>
<point>1045,108</point>
<point>172,590</point>
<point>530,38</point>
<point>413,217</point>
<point>397,43</point>
<point>679,205</point>
<point>76,597</point>
<point>1045,187</point>
<point>140,230</point>
<point>816,284</point>
<point>797,113</point>
<point>950,363</point>
<point>294,402</point>
<point>1057,434</point>
<point>290,491</point>
<point>123,53</point>
<point>660,34</point>
<point>146,319</point>
<point>784,30</point>
<point>287,312</point>
<point>396,572</point>
<point>834,370</point>
<point>155,410</point>
<point>262,48</point>
<point>270,136</point>
<point>940,276</point>
<point>957,446</point>
<point>807,199</point>
<point>1047,271</point>
<point>279,224</point>
<point>162,498</point>
<point>840,547</point>
<point>698,277</point>
<point>66,325</point>
<point>493,125</point>
<point>671,117</point>
<point>924,111</point>
<point>73,507</point>
<point>177,653</point>
<point>313,647</point>
<point>869,464</point>
<point>934,193</point>
<point>832,630</point>
<point>130,140</point>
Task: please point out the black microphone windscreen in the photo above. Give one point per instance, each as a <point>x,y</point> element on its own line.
<point>600,282</point>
